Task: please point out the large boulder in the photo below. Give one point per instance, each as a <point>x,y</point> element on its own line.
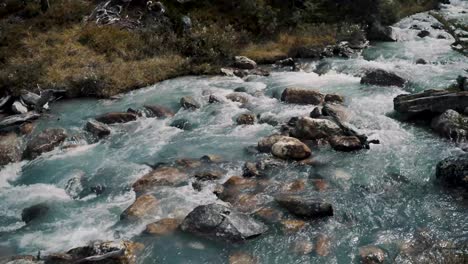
<point>382,78</point>
<point>302,96</point>
<point>117,117</point>
<point>313,128</point>
<point>46,141</point>
<point>97,129</point>
<point>164,176</point>
<point>143,206</point>
<point>453,171</point>
<point>215,221</point>
<point>290,148</point>
<point>158,111</point>
<point>305,207</point>
<point>245,63</point>
<point>431,102</point>
<point>451,125</point>
<point>10,148</point>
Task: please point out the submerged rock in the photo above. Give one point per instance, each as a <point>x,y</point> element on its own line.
<point>164,176</point>
<point>215,221</point>
<point>98,129</point>
<point>334,98</point>
<point>371,255</point>
<point>46,141</point>
<point>292,225</point>
<point>163,227</point>
<point>305,207</point>
<point>158,111</point>
<point>345,143</point>
<point>242,258</point>
<point>431,102</point>
<point>34,212</point>
<point>290,148</point>
<point>246,119</point>
<point>245,63</point>
<point>451,125</point>
<point>453,171</point>
<point>10,150</point>
<point>143,206</point>
<point>302,247</point>
<point>238,97</point>
<point>310,128</point>
<point>302,96</point>
<point>382,78</point>
<point>117,117</point>
<point>188,102</point>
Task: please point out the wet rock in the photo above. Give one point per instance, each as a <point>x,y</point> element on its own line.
<point>188,102</point>
<point>316,113</point>
<point>236,184</point>
<point>26,128</point>
<point>209,175</point>
<point>345,143</point>
<point>238,97</point>
<point>75,185</point>
<point>453,171</point>
<point>305,207</point>
<point>34,212</point>
<point>163,227</point>
<point>270,215</point>
<point>462,82</point>
<point>99,130</point>
<point>322,245</point>
<point>46,141</point>
<point>137,112</point>
<point>451,125</point>
<point>302,96</point>
<point>336,111</point>
<point>288,62</point>
<point>292,226</point>
<point>143,206</point>
<point>242,258</point>
<point>302,247</point>
<point>211,158</point>
<point>214,99</point>
<point>246,119</point>
<point>334,98</point>
<point>10,150</point>
<point>182,123</point>
<point>19,108</point>
<point>189,163</point>
<point>117,117</point>
<point>424,33</point>
<point>164,176</point>
<point>310,128</point>
<point>323,67</point>
<point>431,101</point>
<point>290,148</point>
<point>295,186</point>
<point>379,32</point>
<point>158,111</point>
<point>382,78</point>
<point>215,221</point>
<point>265,144</point>
<point>30,99</point>
<point>371,255</point>
<point>13,120</point>
<point>421,61</point>
<point>320,184</point>
<point>250,170</point>
<point>245,63</point>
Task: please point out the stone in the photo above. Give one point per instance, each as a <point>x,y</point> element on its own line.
<point>371,255</point>
<point>188,102</point>
<point>97,129</point>
<point>26,128</point>
<point>245,63</point>
<point>182,123</point>
<point>313,128</point>
<point>302,247</point>
<point>322,68</point>
<point>295,186</point>
<point>31,213</point>
<point>270,215</point>
<point>163,176</point>
<point>246,119</point>
<point>462,83</point>
<point>379,32</point>
<point>10,150</point>
<point>250,170</point>
<point>322,245</point>
<point>158,111</point>
<point>334,98</point>
<point>75,185</point>
<point>46,141</point>
<point>209,175</point>
<point>189,163</point>
<point>242,258</point>
<point>214,99</point>
<point>316,113</point>
<point>265,144</point>
<point>211,158</point>
<point>292,225</point>
<point>453,171</point>
<point>116,117</point>
<point>345,143</point>
<point>305,207</point>
<point>143,206</point>
<point>302,96</point>
<point>451,125</point>
<point>215,221</point>
<point>290,148</point>
<point>238,97</point>
<point>424,33</point>
<point>421,61</point>
<point>163,227</point>
<point>19,108</point>
<point>382,78</point>
<point>431,101</point>
<point>336,111</point>
<point>288,62</point>
<point>13,120</point>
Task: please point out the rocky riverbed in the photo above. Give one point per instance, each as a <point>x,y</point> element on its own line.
<point>347,159</point>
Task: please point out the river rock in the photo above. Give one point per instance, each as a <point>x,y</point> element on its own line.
<point>246,119</point>
<point>19,108</point>
<point>462,83</point>
<point>164,176</point>
<point>345,143</point>
<point>245,63</point>
<point>382,78</point>
<point>75,185</point>
<point>431,101</point>
<point>242,258</point>
<point>238,97</point>
<point>26,128</point>
<point>302,96</point>
<point>290,148</point>
<point>215,221</point>
<point>371,255</point>
<point>34,212</point>
<point>10,148</point>
<point>453,171</point>
<point>117,117</point>
<point>302,247</point>
<point>98,129</point>
<point>250,169</point>
<point>322,245</point>
<point>209,175</point>
<point>323,67</point>
<point>46,141</point>
<point>210,158</point>
<point>13,120</point>
<point>188,102</point>
<point>451,125</point>
<point>265,144</point>
<point>336,111</point>
<point>424,33</point>
<point>313,128</point>
<point>158,111</point>
<point>163,227</point>
<point>305,207</point>
<point>143,206</point>
<point>292,225</point>
<point>421,61</point>
<point>334,98</point>
<point>214,99</point>
<point>379,32</point>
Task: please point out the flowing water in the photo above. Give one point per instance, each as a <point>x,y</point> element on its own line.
<point>380,196</point>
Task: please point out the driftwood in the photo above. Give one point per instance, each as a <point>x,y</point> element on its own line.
<point>431,101</point>
<point>18,119</point>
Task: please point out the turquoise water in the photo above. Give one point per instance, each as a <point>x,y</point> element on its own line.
<point>371,206</point>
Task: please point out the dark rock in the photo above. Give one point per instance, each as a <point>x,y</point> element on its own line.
<point>378,32</point>
<point>240,90</point>
<point>144,206</point>
<point>265,144</point>
<point>453,171</point>
<point>214,99</point>
<point>245,63</point>
<point>371,255</point>
<point>238,97</point>
<point>18,119</point>
<point>34,212</point>
<point>246,119</point>
<point>137,112</point>
<point>382,78</point>
<point>215,221</point>
<point>323,67</point>
<point>451,125</point>
<point>290,148</point>
<point>316,113</point>
<point>424,33</point>
<point>310,128</point>
<point>46,141</point>
<point>182,123</point>
<point>4,101</point>
<point>99,130</point>
<point>334,98</point>
<point>211,158</point>
<point>415,27</point>
<point>250,170</point>
<point>306,53</point>
<point>10,150</point>
<point>98,189</point>
<point>30,99</point>
<point>421,61</point>
<point>163,176</point>
<point>288,62</point>
<point>345,143</point>
<point>305,207</point>
<point>431,101</point>
<point>462,82</point>
<point>302,96</point>
<point>209,175</point>
<point>117,117</point>
<point>339,112</point>
<point>188,102</point>
<point>158,111</point>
